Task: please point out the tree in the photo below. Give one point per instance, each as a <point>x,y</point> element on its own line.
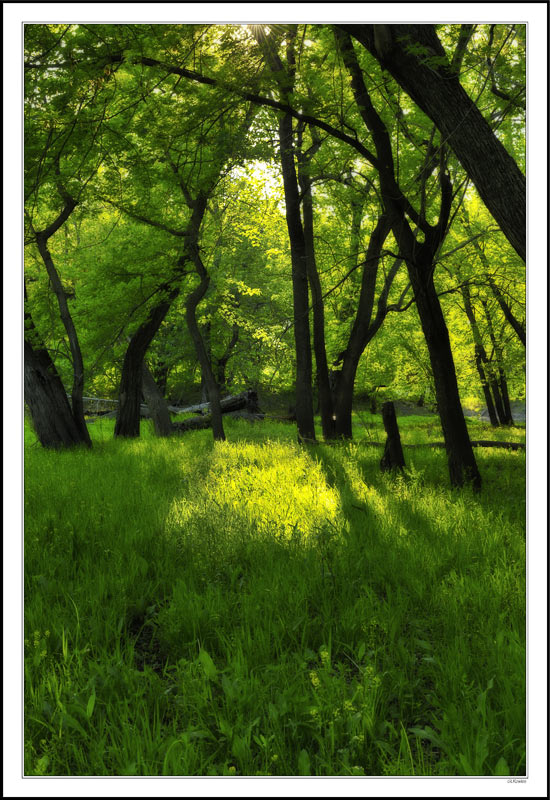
<point>415,57</point>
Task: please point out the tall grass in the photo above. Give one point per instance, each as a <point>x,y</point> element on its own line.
<point>257,608</point>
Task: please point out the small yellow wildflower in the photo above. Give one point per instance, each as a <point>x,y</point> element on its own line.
<point>274,757</point>
<point>325,657</point>
<point>232,770</point>
<point>348,705</point>
<point>315,679</point>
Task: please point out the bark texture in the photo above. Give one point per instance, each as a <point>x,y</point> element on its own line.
<point>47,402</point>
<point>393,457</point>
<point>156,403</point>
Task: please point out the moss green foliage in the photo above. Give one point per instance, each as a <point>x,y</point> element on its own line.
<point>255,608</point>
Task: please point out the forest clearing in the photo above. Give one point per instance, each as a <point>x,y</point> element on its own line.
<point>275,342</point>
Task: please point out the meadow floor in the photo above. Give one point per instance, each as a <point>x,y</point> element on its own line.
<point>255,607</point>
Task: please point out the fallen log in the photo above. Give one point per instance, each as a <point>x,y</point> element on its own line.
<point>243,406</point>
<point>247,400</point>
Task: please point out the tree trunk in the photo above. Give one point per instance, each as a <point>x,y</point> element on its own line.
<point>284,75</point>
<point>402,50</point>
<point>304,393</point>
<point>46,399</point>
<point>480,358</point>
<point>131,381</point>
<point>419,258</point>
<point>504,412</point>
<point>128,415</point>
<point>193,300</point>
<point>393,457</point>
<point>156,404</point>
<point>319,347</point>
<point>76,353</point>
<point>480,355</point>
<point>461,460</point>
<point>362,332</point>
<point>517,326</point>
<point>208,347</point>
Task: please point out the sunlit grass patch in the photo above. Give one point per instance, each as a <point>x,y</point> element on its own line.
<point>274,488</point>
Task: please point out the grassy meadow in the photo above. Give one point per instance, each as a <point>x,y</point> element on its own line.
<point>254,607</point>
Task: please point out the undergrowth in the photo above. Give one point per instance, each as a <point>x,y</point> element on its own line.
<point>258,608</point>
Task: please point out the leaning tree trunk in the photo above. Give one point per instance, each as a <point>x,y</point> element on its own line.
<point>415,58</point>
<point>364,327</point>
<point>76,353</point>
<point>47,401</point>
<point>193,300</point>
<point>156,403</point>
<point>131,381</point>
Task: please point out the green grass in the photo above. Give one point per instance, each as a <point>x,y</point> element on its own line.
<point>256,608</point>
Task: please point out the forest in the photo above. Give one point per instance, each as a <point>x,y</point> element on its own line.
<point>274,385</point>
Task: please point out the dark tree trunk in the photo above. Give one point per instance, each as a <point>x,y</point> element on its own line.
<point>205,398</point>
<point>47,401</point>
<point>193,300</point>
<point>76,354</point>
<point>156,403</point>
<point>363,330</point>
<point>435,87</point>
<point>284,74</point>
<point>319,347</point>
<point>419,258</point>
<point>500,384</point>
<point>480,355</point>
<point>480,360</point>
<point>517,326</point>
<point>128,413</point>
<point>304,393</point>
<point>131,381</point>
<point>393,457</point>
<point>461,460</point>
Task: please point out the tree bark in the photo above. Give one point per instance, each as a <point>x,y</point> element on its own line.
<point>191,303</point>
<point>363,330</point>
<point>131,381</point>
<point>500,383</point>
<point>298,255</point>
<point>304,394</point>
<point>68,324</point>
<point>419,257</point>
<point>46,399</point>
<point>156,404</point>
<point>480,355</point>
<point>415,58</point>
<point>393,457</point>
<point>318,308</point>
<point>517,326</point>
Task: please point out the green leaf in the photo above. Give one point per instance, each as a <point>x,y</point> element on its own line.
<point>304,764</point>
<point>208,665</point>
<point>90,705</point>
<point>501,767</point>
<point>71,722</point>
